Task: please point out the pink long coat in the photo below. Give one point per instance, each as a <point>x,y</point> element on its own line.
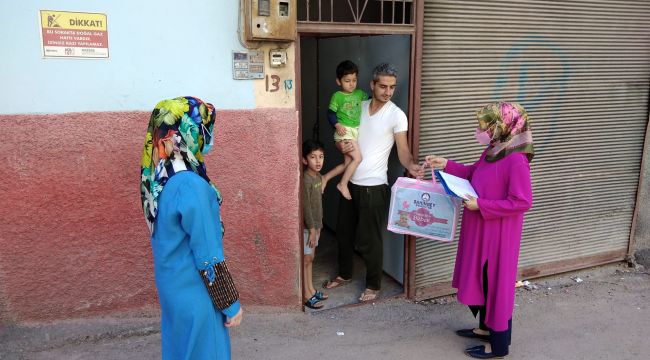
<point>492,234</point>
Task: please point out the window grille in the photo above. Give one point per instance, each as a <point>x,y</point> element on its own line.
<point>389,12</point>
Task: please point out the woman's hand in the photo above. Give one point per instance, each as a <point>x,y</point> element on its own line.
<point>340,129</point>
<point>436,162</point>
<point>472,203</point>
<point>235,320</point>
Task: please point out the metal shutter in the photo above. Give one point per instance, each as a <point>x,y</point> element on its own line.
<point>581,69</point>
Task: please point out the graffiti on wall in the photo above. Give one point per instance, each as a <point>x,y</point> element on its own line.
<point>539,70</point>
<point>273,83</point>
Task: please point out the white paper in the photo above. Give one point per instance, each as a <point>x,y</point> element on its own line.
<point>458,186</point>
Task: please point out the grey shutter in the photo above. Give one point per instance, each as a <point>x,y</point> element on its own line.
<point>581,69</point>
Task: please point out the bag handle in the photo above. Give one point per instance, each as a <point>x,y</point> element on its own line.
<point>424,165</point>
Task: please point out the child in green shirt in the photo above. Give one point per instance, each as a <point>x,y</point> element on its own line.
<point>344,114</point>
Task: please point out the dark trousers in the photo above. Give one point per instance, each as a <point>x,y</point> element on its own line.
<point>361,222</point>
<point>499,340</point>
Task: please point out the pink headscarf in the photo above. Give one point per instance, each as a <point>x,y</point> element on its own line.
<point>508,126</point>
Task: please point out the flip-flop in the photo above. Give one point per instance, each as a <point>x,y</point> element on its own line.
<point>336,282</point>
<point>314,303</point>
<point>374,294</point>
<point>321,296</point>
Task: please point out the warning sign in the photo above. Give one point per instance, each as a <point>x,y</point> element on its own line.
<point>74,34</point>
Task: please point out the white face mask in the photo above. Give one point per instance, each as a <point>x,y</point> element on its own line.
<point>482,137</point>
<point>207,147</point>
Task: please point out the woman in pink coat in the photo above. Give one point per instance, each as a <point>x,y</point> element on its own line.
<point>490,236</point>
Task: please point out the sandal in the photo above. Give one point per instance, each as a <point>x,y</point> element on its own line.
<point>313,303</point>
<point>369,295</point>
<point>321,296</point>
<point>336,282</point>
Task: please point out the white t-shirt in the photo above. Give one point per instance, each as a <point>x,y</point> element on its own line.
<point>376,139</point>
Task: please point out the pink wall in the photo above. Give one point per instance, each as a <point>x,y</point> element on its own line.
<point>73,242</point>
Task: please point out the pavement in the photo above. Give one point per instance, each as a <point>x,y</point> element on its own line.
<point>599,313</point>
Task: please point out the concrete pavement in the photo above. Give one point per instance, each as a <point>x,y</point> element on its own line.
<point>605,316</point>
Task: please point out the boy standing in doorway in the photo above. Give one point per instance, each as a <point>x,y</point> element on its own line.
<point>312,157</point>
<point>361,220</point>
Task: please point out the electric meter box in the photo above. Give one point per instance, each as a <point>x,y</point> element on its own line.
<point>271,20</point>
<point>278,57</point>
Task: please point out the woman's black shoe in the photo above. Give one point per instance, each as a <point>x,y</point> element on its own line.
<point>473,347</point>
<point>469,333</point>
<point>479,353</point>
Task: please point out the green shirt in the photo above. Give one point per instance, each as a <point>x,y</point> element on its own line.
<point>348,107</point>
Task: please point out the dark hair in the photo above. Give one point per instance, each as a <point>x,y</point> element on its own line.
<point>311,145</point>
<point>346,67</point>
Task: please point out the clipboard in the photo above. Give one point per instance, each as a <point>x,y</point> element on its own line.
<point>454,185</point>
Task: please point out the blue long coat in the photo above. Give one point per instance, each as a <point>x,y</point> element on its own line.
<point>187,238</point>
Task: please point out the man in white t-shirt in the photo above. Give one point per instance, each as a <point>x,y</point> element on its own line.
<point>362,219</point>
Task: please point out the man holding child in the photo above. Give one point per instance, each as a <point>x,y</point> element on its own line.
<point>362,219</point>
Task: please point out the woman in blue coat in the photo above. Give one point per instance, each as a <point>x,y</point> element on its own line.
<point>198,298</point>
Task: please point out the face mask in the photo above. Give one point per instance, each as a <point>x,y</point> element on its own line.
<point>206,147</point>
<point>482,137</point>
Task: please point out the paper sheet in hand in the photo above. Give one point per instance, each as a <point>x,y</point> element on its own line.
<point>454,185</point>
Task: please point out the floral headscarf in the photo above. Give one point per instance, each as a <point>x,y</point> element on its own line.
<point>181,126</point>
<point>508,126</point>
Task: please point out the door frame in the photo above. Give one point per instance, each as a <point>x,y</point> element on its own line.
<point>415,31</point>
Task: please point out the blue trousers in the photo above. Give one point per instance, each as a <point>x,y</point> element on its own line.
<point>499,340</point>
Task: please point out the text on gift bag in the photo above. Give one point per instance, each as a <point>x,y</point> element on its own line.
<point>423,209</point>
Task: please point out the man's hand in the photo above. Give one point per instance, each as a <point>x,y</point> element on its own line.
<point>340,129</point>
<point>416,170</point>
<point>345,146</point>
<point>235,320</point>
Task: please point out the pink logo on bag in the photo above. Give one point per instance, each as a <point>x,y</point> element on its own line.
<point>422,217</point>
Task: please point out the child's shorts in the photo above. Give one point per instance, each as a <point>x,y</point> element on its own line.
<point>308,250</point>
<point>351,133</point>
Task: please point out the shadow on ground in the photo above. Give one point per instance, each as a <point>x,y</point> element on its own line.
<point>325,267</point>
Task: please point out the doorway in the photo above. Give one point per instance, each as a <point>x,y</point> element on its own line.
<point>319,57</point>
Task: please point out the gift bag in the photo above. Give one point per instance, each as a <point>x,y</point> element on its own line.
<point>422,208</point>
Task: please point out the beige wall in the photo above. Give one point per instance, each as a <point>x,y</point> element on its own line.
<point>278,88</point>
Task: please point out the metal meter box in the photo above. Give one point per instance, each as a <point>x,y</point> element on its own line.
<point>270,20</point>
<point>278,57</point>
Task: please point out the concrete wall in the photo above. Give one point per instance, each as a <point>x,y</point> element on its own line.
<point>72,236</point>
<point>73,239</point>
<point>158,49</point>
<point>642,229</point>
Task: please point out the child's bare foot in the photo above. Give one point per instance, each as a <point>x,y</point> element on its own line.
<point>344,191</point>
